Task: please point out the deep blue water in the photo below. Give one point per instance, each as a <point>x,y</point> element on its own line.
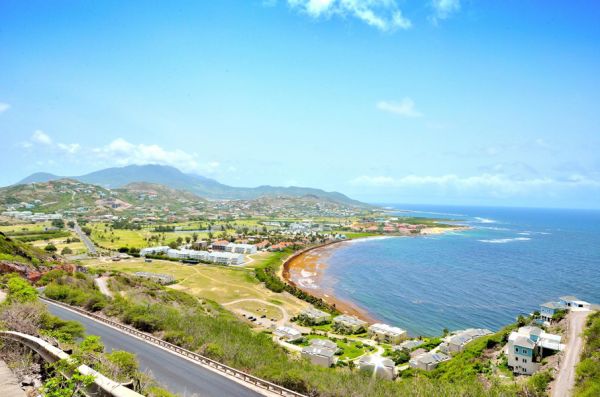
<point>511,261</point>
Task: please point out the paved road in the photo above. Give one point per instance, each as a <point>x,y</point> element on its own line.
<point>566,374</point>
<point>9,384</point>
<point>86,240</point>
<point>175,373</point>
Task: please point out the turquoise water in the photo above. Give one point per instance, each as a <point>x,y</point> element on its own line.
<point>507,264</point>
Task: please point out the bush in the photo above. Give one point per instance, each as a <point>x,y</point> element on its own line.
<point>51,248</point>
<point>66,251</point>
<point>20,290</point>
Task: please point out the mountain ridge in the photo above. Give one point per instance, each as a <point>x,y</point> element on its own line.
<point>117,177</point>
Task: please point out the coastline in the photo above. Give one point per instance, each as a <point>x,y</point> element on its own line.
<point>305,270</point>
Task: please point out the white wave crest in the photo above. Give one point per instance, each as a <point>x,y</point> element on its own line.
<point>504,240</point>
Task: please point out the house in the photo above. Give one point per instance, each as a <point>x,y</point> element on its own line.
<point>262,245</point>
<point>409,345</point>
<point>456,341</point>
<point>320,352</point>
<point>287,334</point>
<point>346,324</point>
<point>219,245</point>
<point>154,250</point>
<point>572,302</point>
<point>240,248</point>
<point>377,365</point>
<point>548,309</point>
<point>313,316</point>
<point>527,346</point>
<point>428,361</point>
<point>387,334</point>
<point>200,245</point>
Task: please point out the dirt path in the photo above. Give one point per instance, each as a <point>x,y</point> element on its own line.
<point>284,314</point>
<point>9,384</point>
<point>101,284</point>
<point>565,379</point>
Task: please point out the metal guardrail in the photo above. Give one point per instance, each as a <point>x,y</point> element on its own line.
<point>240,375</point>
<point>102,386</point>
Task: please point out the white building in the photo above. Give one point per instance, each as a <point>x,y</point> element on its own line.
<point>287,334</point>
<point>377,365</point>
<point>320,352</point>
<point>387,334</point>
<point>313,316</point>
<point>154,250</point>
<point>456,341</point>
<point>346,324</point>
<point>526,347</point>
<point>428,361</point>
<point>572,302</point>
<point>241,248</point>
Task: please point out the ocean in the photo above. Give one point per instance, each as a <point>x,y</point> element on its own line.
<point>508,263</point>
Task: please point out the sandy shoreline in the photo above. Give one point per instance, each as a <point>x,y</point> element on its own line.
<point>306,268</point>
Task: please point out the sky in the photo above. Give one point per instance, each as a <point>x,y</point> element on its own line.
<point>396,101</point>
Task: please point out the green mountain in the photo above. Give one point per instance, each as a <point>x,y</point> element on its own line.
<point>117,177</point>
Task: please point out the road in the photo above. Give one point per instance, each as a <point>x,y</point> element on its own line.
<point>565,380</point>
<point>175,373</point>
<point>86,240</point>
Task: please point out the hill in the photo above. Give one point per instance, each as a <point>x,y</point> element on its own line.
<point>171,177</point>
<point>16,251</point>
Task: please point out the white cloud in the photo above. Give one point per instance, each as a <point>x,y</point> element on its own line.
<point>70,148</point>
<point>122,152</point>
<point>41,137</point>
<point>495,184</point>
<point>4,107</point>
<point>385,15</point>
<point>404,108</point>
<point>443,9</point>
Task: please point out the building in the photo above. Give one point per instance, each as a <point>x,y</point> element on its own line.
<point>287,334</point>
<point>409,345</point>
<point>200,245</point>
<point>572,302</point>
<point>313,316</point>
<point>428,361</point>
<point>377,365</point>
<point>456,341</point>
<point>387,334</point>
<point>226,258</point>
<point>241,248</point>
<point>346,324</point>
<point>154,250</point>
<point>527,346</point>
<point>320,353</point>
<point>548,309</point>
<point>219,245</point>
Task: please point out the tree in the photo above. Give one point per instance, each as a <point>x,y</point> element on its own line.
<point>20,290</point>
<point>71,224</point>
<point>194,237</point>
<point>59,223</point>
<point>87,230</point>
<point>51,248</point>
<point>66,251</point>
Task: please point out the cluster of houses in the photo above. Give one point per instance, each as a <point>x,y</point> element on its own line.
<point>387,226</point>
<point>549,309</point>
<point>224,258</point>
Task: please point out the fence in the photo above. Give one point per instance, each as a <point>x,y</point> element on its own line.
<point>253,380</point>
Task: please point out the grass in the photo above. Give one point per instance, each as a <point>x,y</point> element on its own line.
<point>218,283</point>
<point>587,383</point>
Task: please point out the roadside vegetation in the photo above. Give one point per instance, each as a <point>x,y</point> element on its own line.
<point>587,383</point>
<point>204,327</point>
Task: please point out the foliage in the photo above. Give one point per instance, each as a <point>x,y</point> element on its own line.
<point>538,383</point>
<point>51,248</point>
<point>587,383</point>
<point>559,315</point>
<point>20,290</point>
<point>60,386</point>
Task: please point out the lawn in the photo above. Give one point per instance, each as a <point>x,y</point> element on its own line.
<point>219,283</point>
<point>24,227</point>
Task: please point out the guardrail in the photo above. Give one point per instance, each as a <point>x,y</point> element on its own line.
<point>240,375</point>
<point>102,385</point>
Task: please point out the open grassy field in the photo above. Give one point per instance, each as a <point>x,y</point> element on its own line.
<point>219,283</point>
<point>60,243</point>
<point>25,227</point>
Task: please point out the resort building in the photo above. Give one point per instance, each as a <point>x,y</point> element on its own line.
<point>387,334</point>
<point>154,250</point>
<point>313,316</point>
<point>320,353</point>
<point>409,345</point>
<point>241,248</point>
<point>287,334</point>
<point>226,258</point>
<point>456,341</point>
<point>377,365</point>
<point>219,245</point>
<point>346,324</point>
<point>428,361</point>
<point>527,346</point>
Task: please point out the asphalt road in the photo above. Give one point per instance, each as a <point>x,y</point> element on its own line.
<point>86,240</point>
<point>175,373</point>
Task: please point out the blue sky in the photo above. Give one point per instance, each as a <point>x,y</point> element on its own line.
<point>448,102</point>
